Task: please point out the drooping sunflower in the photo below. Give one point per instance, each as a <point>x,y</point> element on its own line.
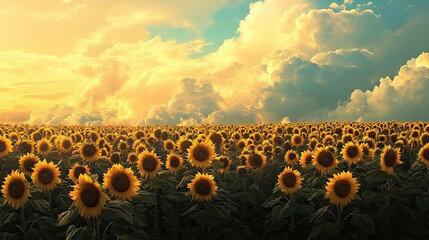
<point>132,158</point>
<point>88,197</point>
<point>306,158</point>
<point>24,146</point>
<point>27,162</point>
<point>203,187</point>
<point>389,158</point>
<point>226,163</point>
<point>324,160</point>
<point>352,152</point>
<point>121,182</point>
<point>77,170</point>
<point>201,154</point>
<point>289,180</point>
<point>255,160</point>
<point>65,144</point>
<point>148,164</point>
<point>424,155</point>
<point>5,146</point>
<point>368,153</point>
<point>16,189</point>
<point>169,146</point>
<point>44,147</point>
<point>46,175</point>
<point>342,188</point>
<point>291,157</point>
<point>174,162</point>
<point>89,152</point>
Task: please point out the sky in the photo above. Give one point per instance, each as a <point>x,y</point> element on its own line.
<point>130,62</point>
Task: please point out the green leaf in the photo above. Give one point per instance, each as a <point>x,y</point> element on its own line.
<point>74,233</point>
<point>8,236</point>
<point>118,210</point>
<point>363,222</point>
<point>423,203</point>
<point>287,211</point>
<point>319,213</point>
<point>6,217</point>
<point>190,210</point>
<point>40,205</point>
<point>67,217</point>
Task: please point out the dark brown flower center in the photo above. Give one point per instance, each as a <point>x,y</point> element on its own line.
<point>16,188</point>
<point>157,133</point>
<point>365,151</point>
<point>347,139</point>
<point>426,154</point>
<point>24,147</point>
<point>390,158</point>
<point>185,145</point>
<point>297,140</point>
<point>291,156</point>
<point>29,164</point>
<point>201,153</point>
<point>121,182</point>
<point>255,160</point>
<point>352,151</point>
<point>78,171</point>
<point>425,139</point>
<point>46,176</point>
<point>325,159</point>
<point>115,158</point>
<point>66,144</point>
<point>2,146</point>
<point>241,145</point>
<point>203,187</point>
<point>90,195</point>
<point>289,179</point>
<point>37,137</point>
<point>149,163</point>
<point>174,161</point>
<point>44,147</point>
<point>123,146</point>
<point>216,138</point>
<point>342,188</point>
<point>308,159</point>
<point>169,146</point>
<point>133,158</point>
<point>224,161</point>
<point>89,150</point>
<point>415,134</point>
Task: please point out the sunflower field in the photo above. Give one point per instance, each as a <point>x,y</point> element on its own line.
<point>331,180</point>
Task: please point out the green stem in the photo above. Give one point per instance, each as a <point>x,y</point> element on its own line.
<point>24,227</point>
<point>339,211</point>
<point>97,228</point>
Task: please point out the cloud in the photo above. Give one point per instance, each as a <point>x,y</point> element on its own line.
<point>14,116</point>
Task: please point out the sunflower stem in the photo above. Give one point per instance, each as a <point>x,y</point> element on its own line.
<point>97,228</point>
<point>339,220</point>
<point>24,229</point>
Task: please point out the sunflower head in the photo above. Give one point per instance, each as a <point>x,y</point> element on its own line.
<point>226,163</point>
<point>77,170</point>
<point>174,162</point>
<point>65,144</point>
<point>148,164</point>
<point>201,154</point>
<point>115,158</point>
<point>46,175</point>
<point>24,146</point>
<point>324,160</point>
<point>5,146</point>
<point>16,189</point>
<point>424,155</point>
<point>88,197</point>
<point>122,146</point>
<point>297,140</point>
<point>121,182</point>
<point>44,147</point>
<point>169,146</point>
<point>291,157</point>
<point>342,188</point>
<point>289,180</point>
<point>389,158</point>
<point>184,145</point>
<point>90,152</point>
<point>27,162</point>
<point>132,158</point>
<point>255,160</point>
<point>352,152</point>
<point>203,187</point>
<point>305,159</point>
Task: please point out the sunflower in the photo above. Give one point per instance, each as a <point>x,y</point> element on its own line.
<point>16,189</point>
<point>324,160</point>
<point>305,158</point>
<point>65,144</point>
<point>87,197</point>
<point>297,140</point>
<point>289,180</point>
<point>46,175</point>
<point>169,146</point>
<point>184,144</point>
<point>121,182</point>
<point>291,157</point>
<point>5,146</point>
<point>201,154</point>
<point>44,147</point>
<point>77,170</point>
<point>203,187</point>
<point>342,188</point>
<point>255,160</point>
<point>122,146</point>
<point>89,152</point>
<point>352,152</point>
<point>368,153</point>
<point>148,164</point>
<point>24,146</point>
<point>389,158</point>
<point>132,158</point>
<point>226,163</point>
<point>27,162</point>
<point>115,158</point>
<point>174,162</point>
<point>216,139</point>
<point>424,155</point>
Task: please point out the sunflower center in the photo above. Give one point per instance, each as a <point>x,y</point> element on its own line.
<point>297,140</point>
<point>78,171</point>
<point>426,154</point>
<point>16,188</point>
<point>255,160</point>
<point>121,182</point>
<point>149,164</point>
<point>169,145</point>
<point>90,195</point>
<point>203,187</point>
<point>365,151</point>
<point>66,144</point>
<point>325,159</point>
<point>352,151</point>
<point>2,146</point>
<point>308,159</point>
<point>185,145</point>
<point>89,150</point>
<point>289,179</point>
<point>174,162</point>
<point>24,147</point>
<point>390,158</point>
<point>46,176</point>
<point>29,164</point>
<point>342,188</point>
<point>225,162</point>
<point>115,158</point>
<point>292,156</point>
<point>425,139</point>
<point>133,158</point>
<point>44,147</point>
<point>123,146</point>
<point>201,153</point>
<point>216,139</point>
